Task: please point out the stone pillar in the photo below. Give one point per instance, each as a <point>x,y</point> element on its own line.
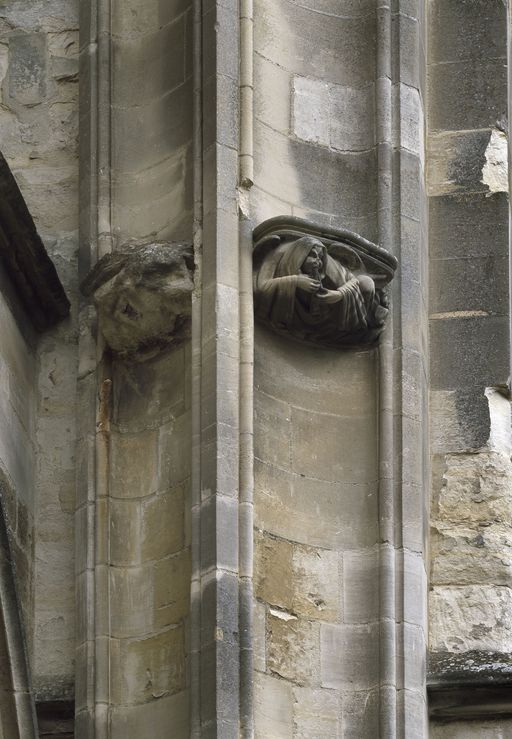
<point>329,129</point>
<point>133,502</point>
<point>341,456</point>
<point>216,352</point>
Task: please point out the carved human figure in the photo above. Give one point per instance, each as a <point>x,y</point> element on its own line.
<point>301,289</point>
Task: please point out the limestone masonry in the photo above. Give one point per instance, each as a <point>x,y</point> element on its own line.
<point>255,360</point>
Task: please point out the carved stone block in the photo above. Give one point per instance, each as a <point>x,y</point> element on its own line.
<point>143,297</point>
<point>320,285</point>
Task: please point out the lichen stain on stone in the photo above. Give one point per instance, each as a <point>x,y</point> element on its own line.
<point>495,169</point>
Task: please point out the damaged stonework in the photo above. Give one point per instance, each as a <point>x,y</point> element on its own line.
<point>474,161</point>
<point>495,169</point>
<point>143,297</point>
<point>471,543</point>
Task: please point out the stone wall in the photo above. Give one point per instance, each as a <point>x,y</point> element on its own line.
<point>340,440</point>
<point>316,557</point>
<point>39,121</point>
<point>152,120</point>
<point>150,545</point>
<point>469,328</point>
<point>315,112</point>
<point>133,517</point>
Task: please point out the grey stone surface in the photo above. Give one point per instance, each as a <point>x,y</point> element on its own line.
<point>468,220</point>
<point>316,713</point>
<point>289,508</point>
<point>360,714</point>
<point>360,591</point>
<point>453,363</point>
<point>325,46</point>
<point>469,94</point>
<point>453,23</point>
<point>349,656</point>
<point>454,235</point>
<point>28,68</point>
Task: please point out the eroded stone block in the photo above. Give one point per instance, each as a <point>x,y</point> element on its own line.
<point>293,648</point>
<point>301,580</point>
<point>27,68</point>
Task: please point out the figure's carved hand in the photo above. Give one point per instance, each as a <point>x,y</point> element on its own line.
<point>308,284</point>
<point>330,296</point>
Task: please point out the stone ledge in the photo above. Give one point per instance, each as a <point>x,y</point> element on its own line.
<point>26,261</point>
<point>470,685</point>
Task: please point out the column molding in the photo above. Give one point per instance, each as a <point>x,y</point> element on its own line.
<point>403,430</point>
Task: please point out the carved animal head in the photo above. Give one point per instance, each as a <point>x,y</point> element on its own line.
<point>143,297</point>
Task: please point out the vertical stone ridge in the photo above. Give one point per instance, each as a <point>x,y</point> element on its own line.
<point>217,381</point>
<point>92,537</point>
<point>402,355</point>
<point>246,504</point>
<point>195,498</point>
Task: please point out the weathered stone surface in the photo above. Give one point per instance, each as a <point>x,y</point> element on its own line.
<point>454,23</point>
<point>360,714</point>
<point>316,713</point>
<point>336,383</point>
<point>454,234</point>
<point>349,656</point>
<point>172,589</point>
<point>149,395</point>
<point>468,101</point>
<point>273,707</point>
<point>27,68</point>
<point>131,722</point>
<point>325,46</point>
<point>471,541</point>
<point>163,524</point>
<point>289,507</point>
<point>143,297</point>
<point>148,669</point>
<point>335,181</point>
<point>310,101</point>
<point>132,598</point>
<point>471,617</point>
<point>453,334</point>
<point>134,465</point>
<point>360,586</point>
<point>260,636</point>
<point>456,162</point>
<point>346,447</point>
<point>301,580</point>
<point>293,648</point>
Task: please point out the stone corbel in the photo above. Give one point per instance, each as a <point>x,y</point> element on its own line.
<point>320,285</point>
<point>143,295</point>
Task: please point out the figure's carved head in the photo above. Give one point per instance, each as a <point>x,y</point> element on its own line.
<point>316,259</point>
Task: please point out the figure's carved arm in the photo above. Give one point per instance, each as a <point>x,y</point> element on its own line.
<point>266,284</point>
